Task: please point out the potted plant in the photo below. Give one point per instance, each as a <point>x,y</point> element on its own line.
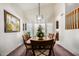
<point>40,33</point>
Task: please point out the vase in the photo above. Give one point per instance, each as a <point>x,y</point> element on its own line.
<point>40,38</point>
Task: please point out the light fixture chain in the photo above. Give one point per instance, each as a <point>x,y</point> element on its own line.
<point>39,8</point>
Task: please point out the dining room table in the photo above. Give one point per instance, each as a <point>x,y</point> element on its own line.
<point>28,42</point>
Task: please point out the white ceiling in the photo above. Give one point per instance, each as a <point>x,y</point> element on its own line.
<point>31,9</point>
<point>71,6</point>
<point>28,6</point>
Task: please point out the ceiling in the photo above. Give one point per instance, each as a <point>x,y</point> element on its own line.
<point>29,10</point>
<point>28,6</point>
<point>71,6</point>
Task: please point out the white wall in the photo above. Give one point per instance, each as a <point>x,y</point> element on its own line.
<point>9,41</point>
<point>69,39</point>
<point>59,17</point>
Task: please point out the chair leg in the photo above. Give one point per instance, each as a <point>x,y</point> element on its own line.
<point>50,53</point>
<point>33,52</point>
<point>26,51</point>
<point>53,52</point>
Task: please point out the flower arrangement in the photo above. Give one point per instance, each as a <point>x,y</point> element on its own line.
<point>40,33</point>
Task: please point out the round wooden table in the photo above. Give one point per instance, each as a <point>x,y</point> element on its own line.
<point>28,42</point>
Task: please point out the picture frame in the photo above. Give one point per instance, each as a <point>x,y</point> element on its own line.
<point>57,24</point>
<point>11,22</point>
<point>24,26</point>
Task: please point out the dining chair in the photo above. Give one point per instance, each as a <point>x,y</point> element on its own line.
<point>42,47</point>
<point>51,36</point>
<point>28,46</point>
<point>57,36</point>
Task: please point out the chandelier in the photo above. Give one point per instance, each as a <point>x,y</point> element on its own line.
<point>39,17</point>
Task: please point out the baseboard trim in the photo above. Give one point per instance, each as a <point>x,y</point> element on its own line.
<point>10,54</point>
<point>66,50</point>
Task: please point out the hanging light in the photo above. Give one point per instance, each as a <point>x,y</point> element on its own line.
<point>39,17</point>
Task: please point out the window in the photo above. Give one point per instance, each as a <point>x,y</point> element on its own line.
<point>72,19</point>
<point>32,28</point>
<point>49,28</point>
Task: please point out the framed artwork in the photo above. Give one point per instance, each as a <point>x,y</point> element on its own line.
<point>11,22</point>
<point>57,24</point>
<point>24,26</point>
